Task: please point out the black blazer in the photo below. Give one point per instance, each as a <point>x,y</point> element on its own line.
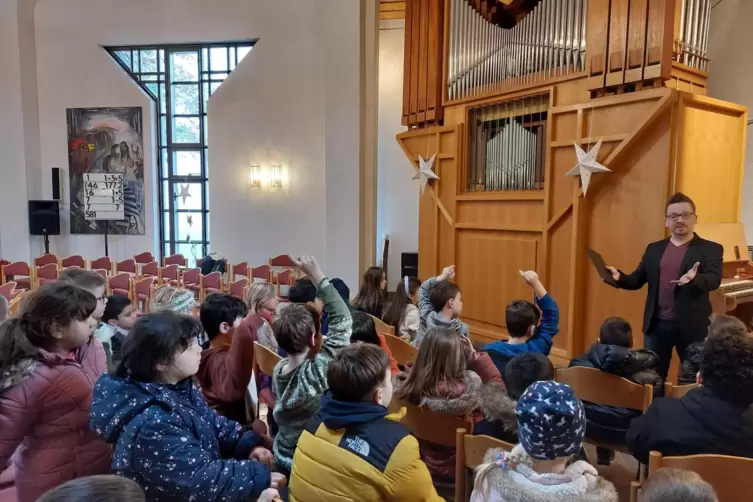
<point>692,305</point>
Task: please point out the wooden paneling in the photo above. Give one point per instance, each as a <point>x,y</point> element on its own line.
<point>709,156</point>
<point>659,34</point>
<point>597,35</point>
<point>618,30</point>
<point>391,9</point>
<point>636,40</point>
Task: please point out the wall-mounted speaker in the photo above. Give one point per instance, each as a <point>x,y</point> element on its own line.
<point>44,217</point>
<point>57,183</point>
<point>409,264</point>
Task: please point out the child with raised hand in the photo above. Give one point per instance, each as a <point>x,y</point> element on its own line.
<point>403,313</point>
<point>301,378</point>
<point>440,305</point>
<point>353,449</point>
<point>449,376</point>
<point>49,362</point>
<point>529,329</point>
<point>551,426</point>
<point>165,436</point>
<point>117,320</point>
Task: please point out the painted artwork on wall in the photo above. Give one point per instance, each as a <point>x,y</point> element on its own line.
<point>107,141</point>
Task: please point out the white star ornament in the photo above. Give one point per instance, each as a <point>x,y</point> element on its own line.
<point>425,171</point>
<point>587,165</point>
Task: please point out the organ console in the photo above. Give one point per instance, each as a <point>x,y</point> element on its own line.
<point>735,295</point>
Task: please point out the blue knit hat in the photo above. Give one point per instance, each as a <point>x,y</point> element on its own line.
<point>551,421</point>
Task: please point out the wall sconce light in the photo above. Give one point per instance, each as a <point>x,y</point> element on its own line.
<point>275,176</point>
<point>254,176</point>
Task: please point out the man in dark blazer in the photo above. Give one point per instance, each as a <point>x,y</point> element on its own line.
<point>680,272</point>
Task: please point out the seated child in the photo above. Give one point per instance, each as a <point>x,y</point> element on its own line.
<point>499,415</point>
<point>96,285</point>
<point>403,313</point>
<point>370,297</point>
<point>117,320</point>
<point>449,376</point>
<point>551,425</point>
<point>676,485</point>
<point>226,366</point>
<point>715,417</point>
<point>3,309</point>
<point>364,331</point>
<point>300,379</point>
<point>103,488</point>
<point>49,362</point>
<point>440,305</point>
<point>172,299</point>
<point>522,320</point>
<point>613,353</point>
<point>352,448</point>
<point>164,435</point>
<point>344,292</point>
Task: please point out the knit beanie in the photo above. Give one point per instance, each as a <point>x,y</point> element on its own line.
<point>551,421</point>
<point>182,302</point>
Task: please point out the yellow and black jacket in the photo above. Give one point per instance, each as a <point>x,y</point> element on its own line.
<point>355,451</point>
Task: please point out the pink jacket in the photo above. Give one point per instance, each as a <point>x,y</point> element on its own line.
<point>44,409</point>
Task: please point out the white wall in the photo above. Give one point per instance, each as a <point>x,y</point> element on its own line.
<point>731,78</point>
<point>397,195</point>
<point>14,227</point>
<point>294,100</point>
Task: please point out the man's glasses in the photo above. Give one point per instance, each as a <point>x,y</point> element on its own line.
<point>684,216</point>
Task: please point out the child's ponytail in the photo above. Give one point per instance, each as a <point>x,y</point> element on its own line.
<point>498,459</point>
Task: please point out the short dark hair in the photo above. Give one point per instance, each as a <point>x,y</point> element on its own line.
<point>356,371</point>
<point>676,484</point>
<point>303,291</point>
<point>727,361</point>
<point>525,369</point>
<point>116,304</point>
<point>293,328</point>
<point>364,329</point>
<point>155,339</point>
<point>519,316</point>
<point>218,308</point>
<point>616,331</point>
<point>679,198</point>
<point>104,488</point>
<point>441,293</point>
<point>85,279</point>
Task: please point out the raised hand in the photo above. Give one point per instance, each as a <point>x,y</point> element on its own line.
<point>262,455</point>
<point>448,273</point>
<point>689,275</point>
<point>615,273</point>
<point>532,279</point>
<point>310,267</point>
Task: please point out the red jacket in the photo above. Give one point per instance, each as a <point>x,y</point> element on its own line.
<point>44,408</point>
<point>226,369</point>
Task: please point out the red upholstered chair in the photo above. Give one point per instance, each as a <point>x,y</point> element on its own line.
<point>284,261</point>
<point>239,269</point>
<point>210,283</point>
<point>46,260</point>
<point>73,261</point>
<point>7,290</point>
<point>176,259</point>
<point>238,288</point>
<point>142,291</point>
<point>104,263</point>
<point>284,279</point>
<point>104,273</point>
<point>192,279</point>
<point>261,274</point>
<point>46,274</point>
<point>150,269</point>
<point>143,258</point>
<point>20,272</point>
<point>120,284</point>
<point>128,265</point>
<point>4,262</point>
<point>169,275</point>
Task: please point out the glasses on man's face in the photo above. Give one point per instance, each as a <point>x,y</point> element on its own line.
<point>683,216</point>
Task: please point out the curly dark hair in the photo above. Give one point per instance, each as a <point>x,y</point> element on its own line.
<point>727,361</point>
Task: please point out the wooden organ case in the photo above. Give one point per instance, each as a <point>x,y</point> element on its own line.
<point>501,90</point>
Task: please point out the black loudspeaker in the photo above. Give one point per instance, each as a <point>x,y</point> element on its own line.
<point>57,183</point>
<point>44,217</point>
<point>409,264</point>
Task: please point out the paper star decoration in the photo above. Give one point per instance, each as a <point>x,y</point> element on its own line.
<point>189,220</point>
<point>184,194</point>
<point>587,165</point>
<point>425,171</point>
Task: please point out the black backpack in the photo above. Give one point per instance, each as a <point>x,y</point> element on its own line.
<point>210,265</point>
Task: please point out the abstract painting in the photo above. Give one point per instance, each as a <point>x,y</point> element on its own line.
<point>107,140</point>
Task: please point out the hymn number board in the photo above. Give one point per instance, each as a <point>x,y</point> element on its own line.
<point>103,197</point>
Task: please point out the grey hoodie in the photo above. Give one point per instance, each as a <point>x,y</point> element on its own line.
<point>431,318</point>
<point>579,483</point>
